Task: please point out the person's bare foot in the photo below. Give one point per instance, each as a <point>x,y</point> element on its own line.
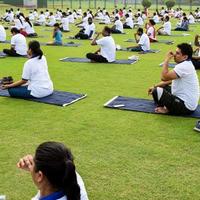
<point>162,110</point>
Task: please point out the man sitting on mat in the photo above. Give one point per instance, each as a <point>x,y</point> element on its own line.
<point>143,41</point>
<point>107,52</point>
<point>118,26</point>
<point>35,82</point>
<point>184,25</point>
<point>183,95</point>
<point>87,32</point>
<point>18,44</point>
<point>166,28</point>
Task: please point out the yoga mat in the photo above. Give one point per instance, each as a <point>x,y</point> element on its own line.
<point>69,44</point>
<point>171,65</point>
<point>140,105</point>
<point>3,55</point>
<point>58,98</point>
<point>159,41</point>
<point>6,42</point>
<point>85,60</point>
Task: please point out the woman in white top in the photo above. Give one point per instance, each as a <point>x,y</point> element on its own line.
<point>2,34</point>
<point>18,22</point>
<point>28,27</point>
<point>106,19</point>
<point>35,82</point>
<point>53,171</point>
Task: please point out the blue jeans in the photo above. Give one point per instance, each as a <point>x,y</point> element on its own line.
<point>20,92</point>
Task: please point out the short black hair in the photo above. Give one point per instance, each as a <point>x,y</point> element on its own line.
<point>186,49</point>
<point>152,22</point>
<point>107,29</point>
<point>57,25</point>
<point>140,30</point>
<point>15,30</point>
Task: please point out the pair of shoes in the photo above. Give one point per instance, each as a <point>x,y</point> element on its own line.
<point>7,80</point>
<point>197,127</point>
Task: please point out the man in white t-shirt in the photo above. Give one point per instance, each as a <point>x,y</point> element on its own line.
<point>128,23</point>
<point>166,28</point>
<point>88,32</point>
<point>143,41</point>
<point>18,44</point>
<point>183,95</point>
<point>118,26</point>
<point>107,51</point>
<point>65,23</point>
<point>2,34</point>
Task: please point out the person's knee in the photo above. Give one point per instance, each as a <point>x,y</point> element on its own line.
<point>157,93</point>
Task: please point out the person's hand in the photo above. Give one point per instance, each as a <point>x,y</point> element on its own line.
<point>150,90</point>
<point>4,87</point>
<point>169,55</point>
<point>26,163</point>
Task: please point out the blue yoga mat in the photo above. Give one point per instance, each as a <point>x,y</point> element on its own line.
<point>171,65</point>
<point>58,98</point>
<point>140,105</point>
<point>85,60</point>
<point>159,41</point>
<point>140,52</point>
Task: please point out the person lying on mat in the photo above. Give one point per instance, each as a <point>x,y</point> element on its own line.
<point>143,41</point>
<point>54,173</point>
<point>107,51</point>
<point>118,26</point>
<point>18,44</point>
<point>2,34</point>
<point>35,82</point>
<point>87,32</point>
<point>166,28</point>
<point>57,35</point>
<point>183,95</point>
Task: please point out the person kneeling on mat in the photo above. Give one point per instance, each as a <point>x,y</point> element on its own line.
<point>35,82</point>
<point>107,52</point>
<point>18,44</point>
<point>183,95</point>
<point>57,35</point>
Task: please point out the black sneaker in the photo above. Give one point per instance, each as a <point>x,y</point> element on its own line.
<point>197,127</point>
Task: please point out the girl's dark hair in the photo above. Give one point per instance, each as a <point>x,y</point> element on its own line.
<point>35,48</point>
<point>28,21</point>
<point>55,161</point>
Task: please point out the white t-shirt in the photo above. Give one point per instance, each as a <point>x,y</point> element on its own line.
<point>108,48</point>
<point>106,19</point>
<point>129,22</point>
<point>80,182</point>
<point>52,20</point>
<point>140,21</point>
<point>144,42</point>
<point>19,41</point>
<point>186,87</point>
<point>65,23</point>
<point>119,26</point>
<point>191,19</point>
<point>18,24</point>
<point>36,72</point>
<point>42,18</point>
<point>89,28</point>
<point>29,29</point>
<point>156,19</point>
<point>2,34</point>
<point>167,27</point>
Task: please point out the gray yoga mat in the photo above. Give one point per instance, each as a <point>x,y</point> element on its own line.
<point>69,44</point>
<point>58,98</point>
<point>140,105</point>
<point>140,52</point>
<point>85,60</point>
<point>159,41</point>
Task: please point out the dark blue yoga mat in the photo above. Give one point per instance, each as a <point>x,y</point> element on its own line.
<point>69,44</point>
<point>140,105</point>
<point>85,60</point>
<point>159,41</point>
<point>58,98</point>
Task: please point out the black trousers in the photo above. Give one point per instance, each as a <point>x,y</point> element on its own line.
<point>180,29</point>
<point>174,104</point>
<point>82,36</point>
<point>11,52</point>
<point>96,58</point>
<point>196,64</point>
<point>115,31</point>
<point>32,35</point>
<point>126,26</point>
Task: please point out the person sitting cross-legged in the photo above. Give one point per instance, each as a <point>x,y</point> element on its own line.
<point>107,51</point>
<point>35,82</point>
<point>118,26</point>
<point>87,32</point>
<point>184,25</point>
<point>178,93</point>
<point>143,41</point>
<point>57,35</point>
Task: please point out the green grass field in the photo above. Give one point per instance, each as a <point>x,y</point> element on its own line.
<point>120,154</point>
